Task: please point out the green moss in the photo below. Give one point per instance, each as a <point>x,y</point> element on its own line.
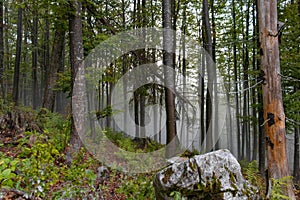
<point>167,174</point>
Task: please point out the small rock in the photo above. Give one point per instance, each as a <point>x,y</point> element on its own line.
<point>102,172</point>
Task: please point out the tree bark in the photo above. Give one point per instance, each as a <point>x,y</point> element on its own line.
<point>261,130</point>
<point>246,131</point>
<point>18,56</point>
<point>207,40</point>
<point>35,93</point>
<point>237,112</point>
<point>2,92</point>
<point>272,97</point>
<point>296,153</point>
<point>253,90</point>
<point>56,61</point>
<point>168,45</point>
<point>76,61</point>
<point>6,44</point>
<point>297,133</point>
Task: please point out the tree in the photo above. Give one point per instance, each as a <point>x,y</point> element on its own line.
<point>76,61</point>
<point>56,62</point>
<point>235,66</point>
<point>272,96</point>
<point>168,45</point>
<point>207,41</point>
<point>2,93</point>
<point>18,55</point>
<point>34,37</point>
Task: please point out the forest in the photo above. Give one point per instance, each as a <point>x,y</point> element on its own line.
<point>96,96</point>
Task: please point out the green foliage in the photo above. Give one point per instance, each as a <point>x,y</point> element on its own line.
<point>64,81</point>
<point>7,172</point>
<point>137,187</point>
<point>278,186</point>
<point>289,61</point>
<point>105,112</point>
<point>176,195</point>
<point>133,145</point>
<point>251,173</point>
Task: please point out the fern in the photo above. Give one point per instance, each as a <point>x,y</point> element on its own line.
<point>278,187</point>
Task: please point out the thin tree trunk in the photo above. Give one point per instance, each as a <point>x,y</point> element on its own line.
<point>272,96</point>
<point>261,130</point>
<point>253,90</point>
<point>2,92</point>
<point>35,93</point>
<point>296,154</point>
<point>207,40</point>
<point>200,90</point>
<point>185,115</point>
<point>46,52</point>
<point>246,132</point>
<point>18,56</point>
<point>124,70</point>
<point>237,113</point>
<point>215,90</point>
<point>7,49</point>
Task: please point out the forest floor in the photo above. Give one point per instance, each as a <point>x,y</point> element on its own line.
<point>33,165</point>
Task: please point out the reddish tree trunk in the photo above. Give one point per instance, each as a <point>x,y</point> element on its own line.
<point>272,97</point>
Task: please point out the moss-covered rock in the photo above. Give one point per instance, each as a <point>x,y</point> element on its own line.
<point>215,175</point>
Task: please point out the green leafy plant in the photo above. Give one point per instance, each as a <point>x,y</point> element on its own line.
<point>176,195</point>
<point>137,187</point>
<point>7,172</point>
<point>278,187</point>
<point>253,176</point>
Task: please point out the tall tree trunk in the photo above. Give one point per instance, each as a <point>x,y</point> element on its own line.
<point>45,52</point>
<point>7,48</point>
<point>168,45</point>
<point>56,61</point>
<point>200,90</point>
<point>297,133</point>
<point>272,97</point>
<point>253,90</point>
<point>237,112</point>
<point>143,61</point>
<point>35,93</point>
<point>207,40</point>
<point>261,130</point>
<point>76,61</point>
<point>296,153</point>
<point>26,83</point>
<point>18,56</point>
<point>246,131</point>
<point>124,70</point>
<point>215,90</point>
<point>184,65</point>
<point>2,92</point>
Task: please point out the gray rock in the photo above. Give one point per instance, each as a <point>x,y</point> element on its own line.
<point>102,172</point>
<point>215,175</point>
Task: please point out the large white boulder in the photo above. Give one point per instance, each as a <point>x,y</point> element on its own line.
<point>215,175</point>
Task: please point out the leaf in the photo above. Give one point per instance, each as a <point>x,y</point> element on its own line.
<point>6,173</point>
<point>8,183</point>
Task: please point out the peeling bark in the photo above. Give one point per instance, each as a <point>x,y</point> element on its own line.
<point>274,116</point>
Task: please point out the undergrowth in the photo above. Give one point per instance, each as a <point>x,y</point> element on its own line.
<point>33,162</point>
<point>37,168</point>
